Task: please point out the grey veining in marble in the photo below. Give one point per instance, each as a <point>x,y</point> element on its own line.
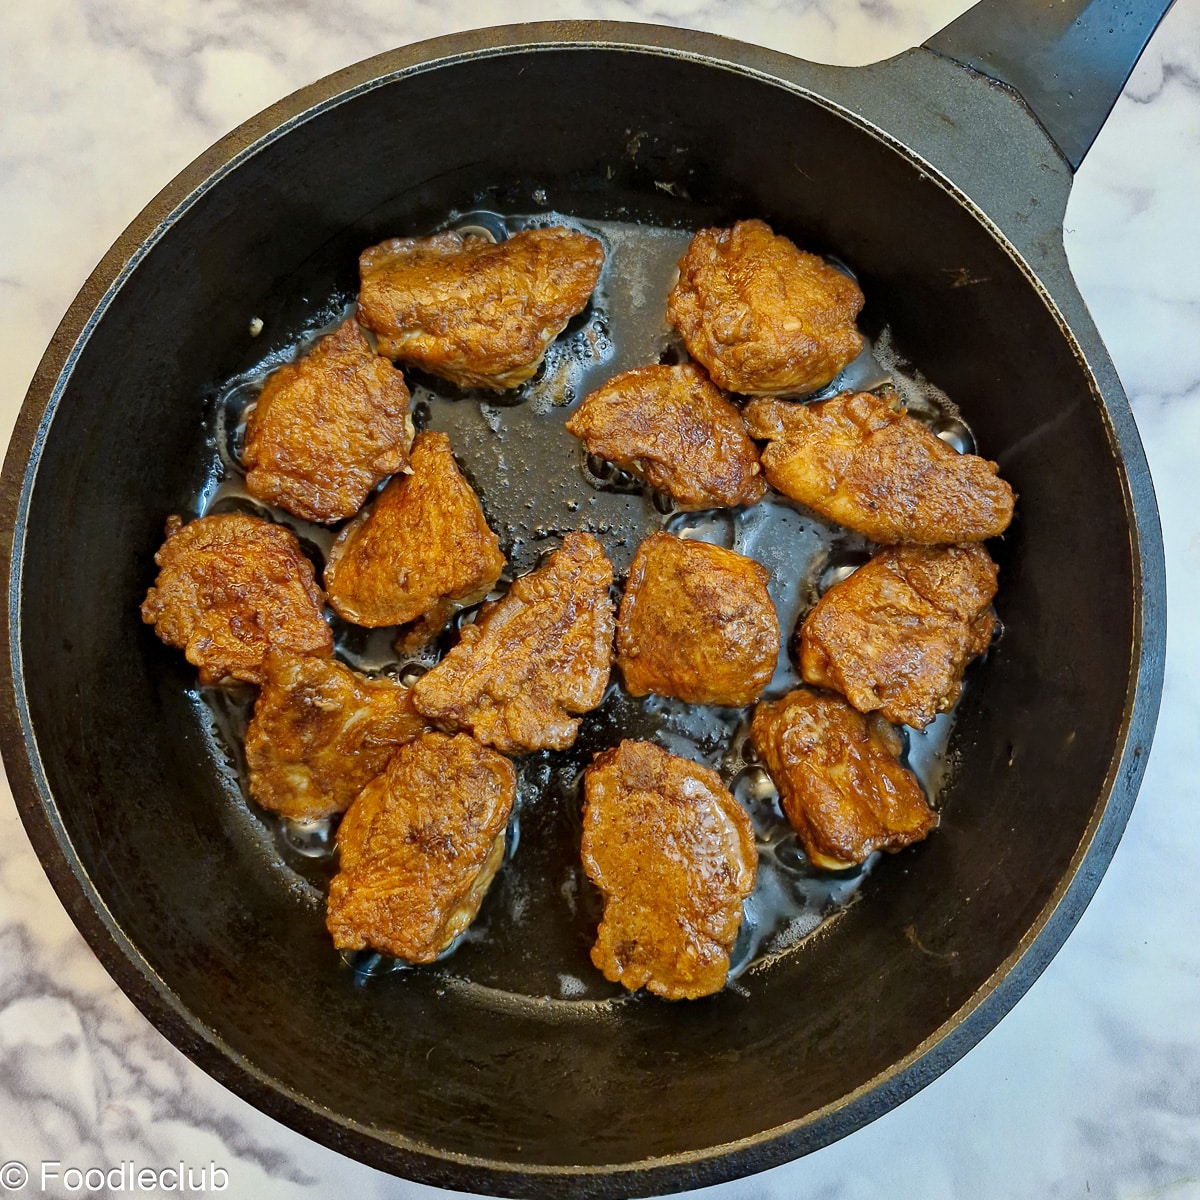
<point>1091,1086</point>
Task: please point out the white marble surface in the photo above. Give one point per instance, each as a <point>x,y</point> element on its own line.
<point>1091,1087</point>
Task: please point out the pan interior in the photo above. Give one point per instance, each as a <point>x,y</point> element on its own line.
<point>533,934</point>
<point>602,135</point>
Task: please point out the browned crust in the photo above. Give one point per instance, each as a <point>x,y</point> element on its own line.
<point>476,313</point>
<point>321,732</point>
<point>540,654</point>
<point>697,623</point>
<point>869,466</point>
<point>328,428</point>
<point>675,429</point>
<point>842,788</point>
<point>424,540</point>
<point>674,854</point>
<point>230,587</point>
<point>898,634</point>
<point>764,317</point>
<point>419,847</point>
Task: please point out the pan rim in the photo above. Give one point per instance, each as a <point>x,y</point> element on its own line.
<point>153,996</point>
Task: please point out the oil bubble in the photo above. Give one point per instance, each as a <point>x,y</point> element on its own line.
<point>756,792</point>
<point>840,568</point>
<point>313,837</point>
<point>368,964</point>
<point>411,672</point>
<point>714,526</point>
<point>484,224</point>
<point>955,434</point>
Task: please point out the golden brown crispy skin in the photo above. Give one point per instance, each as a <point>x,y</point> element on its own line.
<point>673,852</point>
<point>540,653</point>
<point>476,313</point>
<point>897,635</point>
<point>842,789</point>
<point>677,431</point>
<point>419,848</point>
<point>423,540</point>
<point>229,588</point>
<point>328,428</point>
<point>696,622</point>
<point>860,462</point>
<point>764,317</point>
<point>321,732</point>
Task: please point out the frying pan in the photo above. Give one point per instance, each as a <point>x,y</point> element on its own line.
<point>946,194</point>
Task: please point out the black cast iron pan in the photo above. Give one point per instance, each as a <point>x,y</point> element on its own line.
<point>945,193</point>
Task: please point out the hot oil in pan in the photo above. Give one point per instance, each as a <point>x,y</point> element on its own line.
<point>536,483</point>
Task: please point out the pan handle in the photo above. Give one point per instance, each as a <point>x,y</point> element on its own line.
<point>1068,59</point>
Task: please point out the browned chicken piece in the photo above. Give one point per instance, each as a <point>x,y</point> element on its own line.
<point>764,317</point>
<point>419,848</point>
<point>321,732</point>
<point>842,788</point>
<point>477,313</point>
<point>674,429</point>
<point>674,855</point>
<point>328,428</point>
<point>539,654</point>
<point>696,622</point>
<point>423,540</point>
<point>866,465</point>
<point>898,634</point>
<point>229,588</point>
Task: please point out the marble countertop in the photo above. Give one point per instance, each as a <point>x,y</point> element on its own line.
<point>1091,1086</point>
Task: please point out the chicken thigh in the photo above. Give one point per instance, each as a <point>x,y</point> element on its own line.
<point>674,854</point>
<point>675,430</point>
<point>229,588</point>
<point>478,313</point>
<point>697,623</point>
<point>424,540</point>
<point>841,785</point>
<point>764,317</point>
<point>898,634</point>
<point>867,465</point>
<point>328,428</point>
<point>321,732</point>
<point>533,658</point>
<point>419,847</point>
